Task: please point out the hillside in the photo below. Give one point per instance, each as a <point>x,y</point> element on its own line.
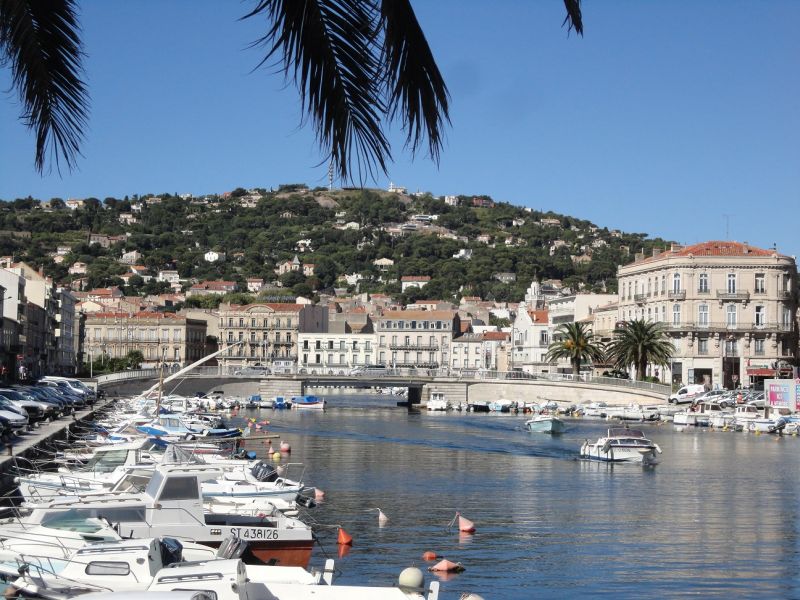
<point>340,232</point>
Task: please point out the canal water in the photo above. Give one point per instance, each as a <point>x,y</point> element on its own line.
<point>717,517</point>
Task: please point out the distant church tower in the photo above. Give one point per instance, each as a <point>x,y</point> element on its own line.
<point>534,297</point>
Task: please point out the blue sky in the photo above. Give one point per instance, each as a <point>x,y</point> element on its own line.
<point>664,118</point>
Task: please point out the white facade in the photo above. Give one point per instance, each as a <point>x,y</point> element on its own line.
<point>335,353</point>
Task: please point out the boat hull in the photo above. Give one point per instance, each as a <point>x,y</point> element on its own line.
<point>553,425</point>
<point>618,454</point>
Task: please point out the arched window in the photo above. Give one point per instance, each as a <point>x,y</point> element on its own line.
<point>676,282</point>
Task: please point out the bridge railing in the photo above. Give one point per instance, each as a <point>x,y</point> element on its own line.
<point>378,373</point>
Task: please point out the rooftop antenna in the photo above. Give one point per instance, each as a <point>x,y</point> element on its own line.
<point>727,226</point>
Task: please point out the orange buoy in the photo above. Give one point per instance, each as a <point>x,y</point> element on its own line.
<point>429,555</point>
<point>344,538</point>
<point>344,550</point>
<point>447,566</point>
<point>465,524</point>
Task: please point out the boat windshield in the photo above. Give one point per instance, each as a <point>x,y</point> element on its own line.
<point>73,520</point>
<point>134,482</point>
<point>106,461</point>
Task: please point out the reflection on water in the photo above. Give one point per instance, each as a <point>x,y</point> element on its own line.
<point>718,516</point>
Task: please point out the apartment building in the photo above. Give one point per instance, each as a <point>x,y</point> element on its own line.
<point>266,333</point>
<point>416,338</point>
<point>158,336</point>
<point>729,308</point>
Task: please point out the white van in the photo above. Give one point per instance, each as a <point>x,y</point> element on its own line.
<point>687,393</point>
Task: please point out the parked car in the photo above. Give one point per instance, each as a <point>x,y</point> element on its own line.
<point>75,385</point>
<point>252,371</point>
<point>687,393</point>
<point>35,409</point>
<point>616,374</point>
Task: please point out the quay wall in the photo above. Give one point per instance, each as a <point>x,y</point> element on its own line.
<point>574,392</point>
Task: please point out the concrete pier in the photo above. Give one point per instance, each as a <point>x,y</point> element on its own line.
<point>26,444</point>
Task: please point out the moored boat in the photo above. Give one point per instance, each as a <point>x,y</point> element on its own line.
<point>438,402</point>
<point>308,403</point>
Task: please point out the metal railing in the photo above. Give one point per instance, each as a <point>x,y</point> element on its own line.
<point>677,295</point>
<point>726,295</point>
<point>714,326</point>
<point>418,373</point>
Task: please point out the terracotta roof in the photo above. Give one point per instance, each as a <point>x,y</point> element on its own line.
<point>136,315</point>
<point>276,306</point>
<point>538,316</point>
<point>415,278</point>
<point>499,336</point>
<point>715,248</point>
<point>419,314</point>
<point>214,285</point>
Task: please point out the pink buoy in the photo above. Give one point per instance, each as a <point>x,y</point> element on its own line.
<point>271,450</point>
<point>318,494</point>
<point>285,447</point>
<point>465,524</point>
<point>447,566</point>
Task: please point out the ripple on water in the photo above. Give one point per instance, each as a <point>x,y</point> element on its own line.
<point>717,517</point>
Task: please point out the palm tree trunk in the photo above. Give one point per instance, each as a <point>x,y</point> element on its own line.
<point>576,366</point>
<point>641,370</point>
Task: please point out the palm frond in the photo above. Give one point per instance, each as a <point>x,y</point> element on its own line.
<point>41,43</point>
<point>329,48</point>
<point>574,18</point>
<point>415,87</point>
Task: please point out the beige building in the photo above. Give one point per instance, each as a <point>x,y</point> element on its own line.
<point>159,336</point>
<point>729,309</point>
<point>266,334</point>
<point>416,338</point>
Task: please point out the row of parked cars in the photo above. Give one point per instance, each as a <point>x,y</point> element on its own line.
<point>22,406</point>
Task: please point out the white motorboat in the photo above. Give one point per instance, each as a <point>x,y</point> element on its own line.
<point>685,417</point>
<point>172,505</point>
<point>745,413</point>
<point>155,568</point>
<point>438,402</point>
<point>595,410</point>
<point>635,412</point>
<point>501,406</point>
<point>545,424</point>
<point>621,444</point>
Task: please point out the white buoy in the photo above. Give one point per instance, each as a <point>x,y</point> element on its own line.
<point>411,578</point>
<point>382,518</point>
<point>471,597</point>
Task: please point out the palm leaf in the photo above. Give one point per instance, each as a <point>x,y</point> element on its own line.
<point>415,87</point>
<point>574,18</point>
<point>328,47</point>
<point>40,41</point>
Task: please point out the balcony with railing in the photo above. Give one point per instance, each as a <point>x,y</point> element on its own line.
<point>719,326</point>
<point>412,346</point>
<point>677,295</point>
<point>639,298</point>
<point>725,295</point>
<point>785,295</point>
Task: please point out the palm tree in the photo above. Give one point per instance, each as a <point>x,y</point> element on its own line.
<point>640,343</point>
<point>357,64</point>
<point>575,342</point>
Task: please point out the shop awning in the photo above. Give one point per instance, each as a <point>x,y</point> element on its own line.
<point>760,372</point>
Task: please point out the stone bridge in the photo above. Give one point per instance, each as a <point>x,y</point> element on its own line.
<point>457,387</point>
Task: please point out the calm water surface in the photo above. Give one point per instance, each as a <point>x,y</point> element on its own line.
<point>717,517</point>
